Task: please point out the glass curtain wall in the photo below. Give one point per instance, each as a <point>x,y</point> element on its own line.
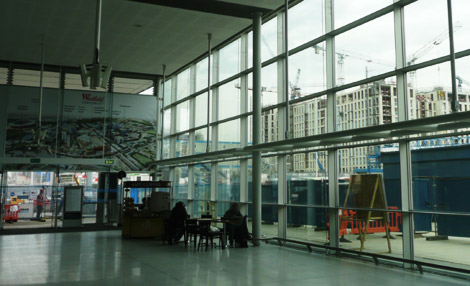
<point>369,67</point>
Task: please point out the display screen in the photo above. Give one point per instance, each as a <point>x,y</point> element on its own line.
<point>73,199</point>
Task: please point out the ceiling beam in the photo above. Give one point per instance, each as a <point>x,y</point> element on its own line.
<point>210,6</point>
<point>75,70</point>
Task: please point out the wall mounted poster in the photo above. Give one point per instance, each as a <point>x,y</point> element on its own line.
<point>133,140</point>
<point>88,125</point>
<point>82,129</point>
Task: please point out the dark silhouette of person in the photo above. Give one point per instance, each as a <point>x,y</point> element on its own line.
<point>236,226</point>
<point>176,223</point>
<point>40,203</point>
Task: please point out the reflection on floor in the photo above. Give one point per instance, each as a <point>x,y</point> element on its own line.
<point>453,252</point>
<point>103,258</point>
<point>46,223</point>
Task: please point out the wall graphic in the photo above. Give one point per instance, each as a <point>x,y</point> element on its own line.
<point>133,139</point>
<point>89,125</point>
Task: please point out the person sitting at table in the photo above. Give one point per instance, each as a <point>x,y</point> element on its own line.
<point>236,226</point>
<point>176,223</point>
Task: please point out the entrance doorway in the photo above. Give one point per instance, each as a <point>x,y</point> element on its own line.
<point>20,190</point>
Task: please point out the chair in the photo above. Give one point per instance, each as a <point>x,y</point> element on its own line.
<point>206,233</point>
<point>206,216</point>
<point>191,230</point>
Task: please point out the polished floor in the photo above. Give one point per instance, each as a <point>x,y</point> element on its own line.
<point>103,258</point>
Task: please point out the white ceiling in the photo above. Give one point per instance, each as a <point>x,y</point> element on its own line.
<point>167,35</point>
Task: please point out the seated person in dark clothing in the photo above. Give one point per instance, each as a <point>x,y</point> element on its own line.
<point>176,223</point>
<point>236,225</point>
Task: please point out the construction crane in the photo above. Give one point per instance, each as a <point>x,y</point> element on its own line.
<point>343,54</point>
<point>428,47</point>
<point>294,88</point>
<point>462,81</point>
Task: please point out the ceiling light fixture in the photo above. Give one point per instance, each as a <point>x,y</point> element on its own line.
<point>98,74</point>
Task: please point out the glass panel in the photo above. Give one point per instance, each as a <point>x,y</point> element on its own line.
<point>228,181</point>
<point>440,174</point>
<point>370,104</point>
<point>426,36</point>
<point>307,183</point>
<point>269,180</point>
<point>199,208</point>
<point>166,122</point>
<point>442,239</point>
<point>308,224</point>
<point>167,97</point>
<point>308,117</point>
<point>183,83</point>
<point>269,220</point>
<point>166,148</point>
<point>3,75</point>
<point>24,77</point>
<point>307,71</point>
<point>180,189</point>
<point>201,74</point>
<point>431,92</point>
<point>306,22</point>
<point>461,24</point>
<point>463,84</point>
<point>229,100</point>
<point>201,110</point>
<point>365,51</point>
<point>269,91</point>
<point>201,140</point>
<point>229,135</point>
<point>21,193</point>
<point>202,175</point>
<point>347,11</point>
<point>182,116</point>
<point>269,126</point>
<point>131,85</point>
<point>229,60</point>
<point>182,148</point>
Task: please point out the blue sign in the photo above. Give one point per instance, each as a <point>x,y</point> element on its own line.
<point>12,194</point>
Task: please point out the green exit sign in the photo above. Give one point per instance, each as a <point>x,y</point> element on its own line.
<point>109,162</point>
<point>35,161</point>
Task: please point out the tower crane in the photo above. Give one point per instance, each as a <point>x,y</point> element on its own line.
<point>428,47</point>
<point>343,54</point>
<point>462,81</point>
<point>294,88</point>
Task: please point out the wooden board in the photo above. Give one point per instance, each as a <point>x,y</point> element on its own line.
<point>362,188</point>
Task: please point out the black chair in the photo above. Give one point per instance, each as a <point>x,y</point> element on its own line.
<point>191,229</point>
<point>206,233</point>
<point>206,216</point>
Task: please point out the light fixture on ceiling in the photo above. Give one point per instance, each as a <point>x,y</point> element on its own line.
<point>98,74</point>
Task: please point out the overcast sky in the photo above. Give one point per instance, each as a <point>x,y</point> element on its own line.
<point>368,49</point>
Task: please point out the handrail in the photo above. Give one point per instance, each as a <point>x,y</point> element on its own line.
<point>374,256</point>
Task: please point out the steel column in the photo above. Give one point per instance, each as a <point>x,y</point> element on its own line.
<point>404,147</point>
<point>455,101</point>
<point>331,126</point>
<point>244,122</point>
<point>256,199</point>
<point>282,118</point>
